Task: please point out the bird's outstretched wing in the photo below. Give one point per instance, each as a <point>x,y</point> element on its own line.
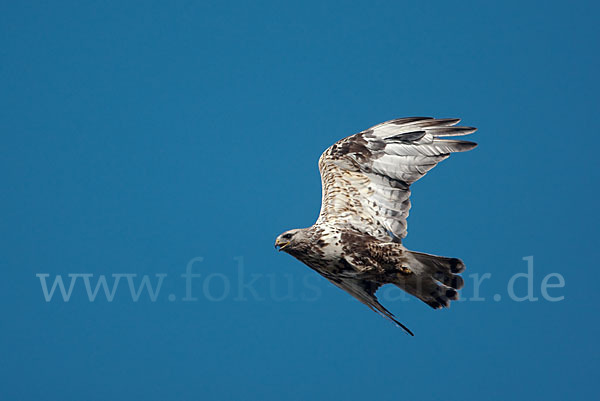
<point>364,291</point>
<point>366,177</point>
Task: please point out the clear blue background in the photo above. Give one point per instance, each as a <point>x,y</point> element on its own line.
<point>139,135</point>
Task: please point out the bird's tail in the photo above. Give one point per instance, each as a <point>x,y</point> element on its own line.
<point>433,279</point>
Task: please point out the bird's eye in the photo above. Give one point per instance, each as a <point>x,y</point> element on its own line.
<point>287,236</point>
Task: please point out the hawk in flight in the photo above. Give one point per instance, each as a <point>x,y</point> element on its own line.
<point>356,243</point>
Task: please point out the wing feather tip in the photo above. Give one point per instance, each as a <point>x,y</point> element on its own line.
<point>449,131</point>
<point>456,145</point>
<point>468,145</point>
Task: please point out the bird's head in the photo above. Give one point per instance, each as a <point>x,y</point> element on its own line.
<point>289,239</point>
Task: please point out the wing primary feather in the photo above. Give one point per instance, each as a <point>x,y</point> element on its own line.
<point>407,136</point>
<point>450,131</point>
<point>407,120</point>
<point>387,314</point>
<point>456,145</point>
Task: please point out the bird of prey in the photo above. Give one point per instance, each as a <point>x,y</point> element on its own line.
<point>356,242</point>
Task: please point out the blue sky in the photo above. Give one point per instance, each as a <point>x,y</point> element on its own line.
<point>137,136</point>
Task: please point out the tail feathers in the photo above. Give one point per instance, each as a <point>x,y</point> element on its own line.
<point>442,268</point>
<point>434,280</point>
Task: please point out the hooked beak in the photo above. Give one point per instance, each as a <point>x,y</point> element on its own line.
<point>281,244</point>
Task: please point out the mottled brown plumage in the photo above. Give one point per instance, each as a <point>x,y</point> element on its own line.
<point>356,241</point>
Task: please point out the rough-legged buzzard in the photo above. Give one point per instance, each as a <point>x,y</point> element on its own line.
<point>356,242</point>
